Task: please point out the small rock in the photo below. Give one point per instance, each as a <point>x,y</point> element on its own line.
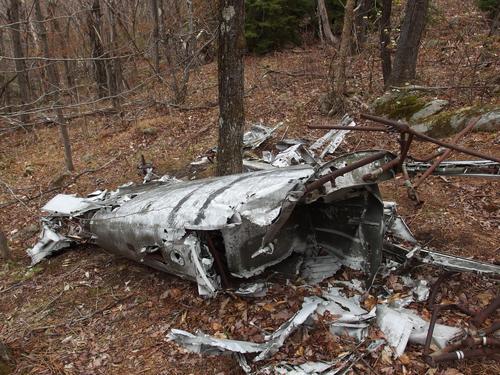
<point>5,355</point>
<point>147,130</point>
<point>489,121</point>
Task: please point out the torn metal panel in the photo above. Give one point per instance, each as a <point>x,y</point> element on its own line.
<point>205,344</point>
<point>449,262</point>
<point>50,242</point>
<point>305,368</point>
<point>401,326</point>
<point>334,138</point>
<point>202,343</point>
<point>276,340</point>
<point>70,205</point>
<point>258,134</point>
<point>294,155</point>
<point>351,318</point>
<point>316,269</point>
<point>252,290</point>
<point>395,225</point>
<point>465,168</point>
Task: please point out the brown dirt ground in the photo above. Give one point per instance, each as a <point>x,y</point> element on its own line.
<point>87,311</point>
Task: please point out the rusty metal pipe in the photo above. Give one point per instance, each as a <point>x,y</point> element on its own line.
<point>447,153</point>
<point>339,172</point>
<point>461,354</point>
<point>405,128</point>
<point>384,168</point>
<point>486,312</point>
<point>360,128</point>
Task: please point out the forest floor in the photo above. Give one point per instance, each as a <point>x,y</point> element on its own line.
<point>87,311</point>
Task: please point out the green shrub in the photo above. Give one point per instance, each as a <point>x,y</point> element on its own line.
<point>490,6</point>
<point>272,24</point>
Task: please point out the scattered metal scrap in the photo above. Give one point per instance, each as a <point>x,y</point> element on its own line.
<point>490,166</point>
<point>318,215</point>
<point>483,343</point>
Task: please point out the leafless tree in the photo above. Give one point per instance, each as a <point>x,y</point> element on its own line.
<point>385,39</point>
<point>231,86</point>
<point>17,49</point>
<point>54,88</point>
<point>325,30</point>
<point>95,36</point>
<point>335,100</point>
<point>4,246</point>
<point>405,61</point>
<point>61,41</point>
<point>113,67</point>
<point>362,21</point>
<point>156,33</point>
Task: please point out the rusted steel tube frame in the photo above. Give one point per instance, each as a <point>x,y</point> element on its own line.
<point>405,128</point>
<point>435,314</point>
<point>360,128</point>
<point>428,158</point>
<point>461,354</point>
<point>341,171</point>
<point>384,168</point>
<point>469,342</point>
<point>220,266</point>
<point>447,153</point>
<point>493,328</point>
<point>405,143</point>
<point>435,287</point>
<point>486,312</point>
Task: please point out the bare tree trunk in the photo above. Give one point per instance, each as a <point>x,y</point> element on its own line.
<point>156,34</point>
<point>385,39</point>
<point>4,247</point>
<point>51,10</point>
<point>334,102</point>
<point>5,81</point>
<point>94,29</point>
<point>54,89</point>
<point>325,23</point>
<point>114,74</point>
<point>22,72</point>
<point>405,60</point>
<point>362,21</point>
<point>231,87</point>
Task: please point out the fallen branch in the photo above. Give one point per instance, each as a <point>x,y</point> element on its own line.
<point>86,317</point>
<point>439,88</point>
<point>208,105</point>
<point>294,74</point>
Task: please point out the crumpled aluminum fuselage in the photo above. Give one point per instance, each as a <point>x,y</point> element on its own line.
<point>232,226</point>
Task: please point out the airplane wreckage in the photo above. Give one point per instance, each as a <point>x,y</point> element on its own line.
<point>219,230</point>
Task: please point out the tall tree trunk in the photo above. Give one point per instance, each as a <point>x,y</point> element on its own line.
<point>17,48</point>
<point>114,72</point>
<point>5,80</point>
<point>51,10</point>
<point>325,23</point>
<point>363,11</point>
<point>54,87</point>
<point>385,39</point>
<point>231,87</point>
<point>4,247</point>
<point>156,34</point>
<point>334,102</point>
<point>405,61</point>
<point>94,30</point>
